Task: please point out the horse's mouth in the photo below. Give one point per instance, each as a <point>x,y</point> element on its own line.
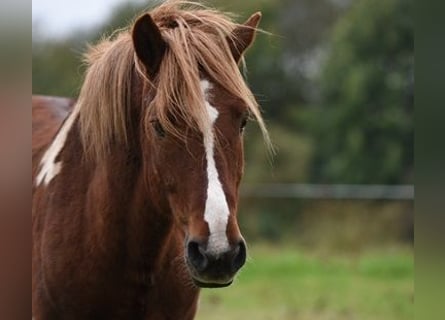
<point>211,284</point>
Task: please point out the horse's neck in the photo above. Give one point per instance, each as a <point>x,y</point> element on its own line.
<point>119,212</point>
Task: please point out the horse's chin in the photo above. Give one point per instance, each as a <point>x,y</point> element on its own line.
<point>211,284</point>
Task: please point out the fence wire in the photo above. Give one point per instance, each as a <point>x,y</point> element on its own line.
<point>329,191</point>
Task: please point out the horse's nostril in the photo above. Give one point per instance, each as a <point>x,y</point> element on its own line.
<point>239,256</point>
<point>216,265</point>
<point>196,256</point>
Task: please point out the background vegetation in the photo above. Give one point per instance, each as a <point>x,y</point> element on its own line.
<point>335,81</point>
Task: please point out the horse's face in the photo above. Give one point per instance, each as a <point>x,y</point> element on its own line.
<point>199,174</point>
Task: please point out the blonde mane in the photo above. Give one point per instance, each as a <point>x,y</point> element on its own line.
<point>196,40</point>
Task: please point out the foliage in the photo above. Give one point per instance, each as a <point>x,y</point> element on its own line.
<point>56,69</point>
<point>363,129</point>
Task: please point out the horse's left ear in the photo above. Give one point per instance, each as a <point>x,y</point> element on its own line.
<point>243,36</point>
<point>148,44</point>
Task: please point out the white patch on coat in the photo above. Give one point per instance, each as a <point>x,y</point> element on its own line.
<point>217,211</point>
<point>49,168</point>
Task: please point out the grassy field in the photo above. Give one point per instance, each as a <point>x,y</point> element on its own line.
<point>284,283</point>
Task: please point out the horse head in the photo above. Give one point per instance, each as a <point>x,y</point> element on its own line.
<point>196,107</point>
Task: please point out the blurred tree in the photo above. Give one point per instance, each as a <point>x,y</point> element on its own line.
<point>304,26</point>
<point>363,129</point>
<point>56,68</point>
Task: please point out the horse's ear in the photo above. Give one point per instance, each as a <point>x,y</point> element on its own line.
<point>243,36</point>
<point>148,44</point>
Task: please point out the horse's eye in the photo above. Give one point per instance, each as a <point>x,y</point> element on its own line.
<point>158,128</point>
<point>243,124</point>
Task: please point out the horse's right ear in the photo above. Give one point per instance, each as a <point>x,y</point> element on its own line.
<point>148,44</point>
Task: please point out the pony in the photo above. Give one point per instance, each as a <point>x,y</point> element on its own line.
<point>135,183</point>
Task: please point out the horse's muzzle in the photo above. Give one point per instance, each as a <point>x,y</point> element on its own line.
<point>210,270</point>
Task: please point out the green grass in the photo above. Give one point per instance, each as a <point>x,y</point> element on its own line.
<point>285,283</point>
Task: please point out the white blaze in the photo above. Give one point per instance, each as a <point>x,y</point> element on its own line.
<point>216,212</point>
<point>49,168</point>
